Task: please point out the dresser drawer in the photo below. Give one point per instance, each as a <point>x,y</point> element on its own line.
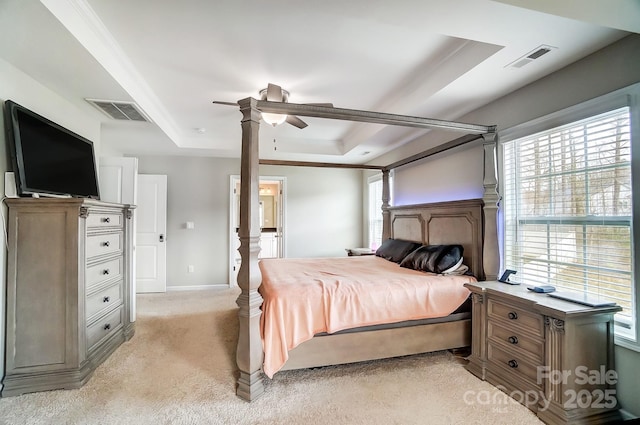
<point>103,244</point>
<point>517,341</point>
<point>104,220</point>
<point>104,271</point>
<point>516,318</point>
<point>103,327</point>
<point>104,300</point>
<point>512,363</point>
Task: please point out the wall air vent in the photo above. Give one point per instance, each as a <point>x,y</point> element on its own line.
<point>120,110</point>
<point>530,57</point>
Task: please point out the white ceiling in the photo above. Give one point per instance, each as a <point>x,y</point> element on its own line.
<point>432,58</point>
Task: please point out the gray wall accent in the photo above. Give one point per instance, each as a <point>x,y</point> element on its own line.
<point>198,191</point>
<point>323,217</point>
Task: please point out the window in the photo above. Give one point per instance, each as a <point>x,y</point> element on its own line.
<point>568,209</point>
<point>375,212</point>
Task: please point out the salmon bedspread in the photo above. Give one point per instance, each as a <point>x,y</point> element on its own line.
<point>303,297</point>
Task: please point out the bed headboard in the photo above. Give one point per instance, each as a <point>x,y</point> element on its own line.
<point>453,222</point>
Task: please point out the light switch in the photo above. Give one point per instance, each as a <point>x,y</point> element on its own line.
<point>191,225</point>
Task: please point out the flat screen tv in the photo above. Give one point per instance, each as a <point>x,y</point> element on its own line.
<point>47,158</point>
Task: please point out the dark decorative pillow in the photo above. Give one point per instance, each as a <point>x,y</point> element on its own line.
<point>396,249</point>
<point>433,258</point>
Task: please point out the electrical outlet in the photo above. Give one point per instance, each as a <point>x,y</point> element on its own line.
<point>191,268</point>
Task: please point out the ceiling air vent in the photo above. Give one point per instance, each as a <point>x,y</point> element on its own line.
<point>530,57</point>
<point>120,110</point>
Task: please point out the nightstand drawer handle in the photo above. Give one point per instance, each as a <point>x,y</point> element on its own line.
<point>108,326</point>
<point>105,243</point>
<point>513,339</point>
<point>106,220</point>
<point>512,364</point>
<point>513,315</point>
<point>106,299</point>
<point>105,271</point>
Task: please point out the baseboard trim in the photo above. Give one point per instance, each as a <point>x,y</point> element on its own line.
<point>626,416</point>
<point>197,287</point>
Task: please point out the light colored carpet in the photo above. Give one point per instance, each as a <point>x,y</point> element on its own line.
<point>180,369</point>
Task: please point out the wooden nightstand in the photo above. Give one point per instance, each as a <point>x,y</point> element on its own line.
<point>555,357</point>
<point>355,252</point>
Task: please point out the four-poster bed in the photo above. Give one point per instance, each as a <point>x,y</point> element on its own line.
<point>470,223</point>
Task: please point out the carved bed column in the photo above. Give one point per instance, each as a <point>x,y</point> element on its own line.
<point>491,198</point>
<point>249,353</point>
<point>386,197</point>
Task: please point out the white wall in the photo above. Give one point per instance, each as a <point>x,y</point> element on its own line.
<point>323,214</point>
<point>17,86</point>
<point>324,210</point>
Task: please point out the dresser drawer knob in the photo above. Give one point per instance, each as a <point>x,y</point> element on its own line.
<point>513,315</point>
<point>513,339</point>
<point>105,271</point>
<point>106,299</point>
<point>108,326</point>
<point>513,364</point>
<point>106,243</point>
<point>106,220</point>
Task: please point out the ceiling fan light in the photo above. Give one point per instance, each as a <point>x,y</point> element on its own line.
<point>273,119</point>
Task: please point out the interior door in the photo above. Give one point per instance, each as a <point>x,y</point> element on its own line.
<point>118,180</point>
<point>272,218</point>
<point>151,233</point>
<point>119,184</point>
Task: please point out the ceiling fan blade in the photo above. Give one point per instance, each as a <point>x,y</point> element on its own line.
<point>274,93</point>
<point>219,102</point>
<point>295,121</point>
<point>329,105</point>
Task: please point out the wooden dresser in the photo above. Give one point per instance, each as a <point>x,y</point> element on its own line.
<point>555,357</point>
<point>68,290</point>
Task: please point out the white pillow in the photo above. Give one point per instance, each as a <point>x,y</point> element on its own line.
<point>454,267</point>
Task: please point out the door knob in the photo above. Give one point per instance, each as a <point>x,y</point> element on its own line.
<point>161,237</point>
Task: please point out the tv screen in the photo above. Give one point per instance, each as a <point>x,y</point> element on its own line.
<point>47,158</point>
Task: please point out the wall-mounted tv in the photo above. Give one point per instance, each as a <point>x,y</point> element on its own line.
<point>47,158</point>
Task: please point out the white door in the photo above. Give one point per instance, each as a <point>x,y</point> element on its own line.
<point>119,184</point>
<point>118,180</point>
<point>151,235</point>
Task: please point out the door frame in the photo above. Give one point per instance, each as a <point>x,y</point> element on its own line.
<point>235,178</point>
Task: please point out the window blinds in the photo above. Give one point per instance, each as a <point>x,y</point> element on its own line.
<point>375,213</point>
<point>568,210</point>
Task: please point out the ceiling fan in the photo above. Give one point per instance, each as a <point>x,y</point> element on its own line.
<point>275,93</point>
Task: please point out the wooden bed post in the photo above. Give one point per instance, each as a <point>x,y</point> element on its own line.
<point>386,197</point>
<point>249,353</point>
<point>491,198</point>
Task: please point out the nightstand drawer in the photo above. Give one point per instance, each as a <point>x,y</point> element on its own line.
<point>516,317</point>
<point>103,328</point>
<point>516,341</point>
<point>513,363</point>
<point>525,343</point>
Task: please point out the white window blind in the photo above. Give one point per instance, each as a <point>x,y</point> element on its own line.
<point>568,209</point>
<point>375,213</point>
